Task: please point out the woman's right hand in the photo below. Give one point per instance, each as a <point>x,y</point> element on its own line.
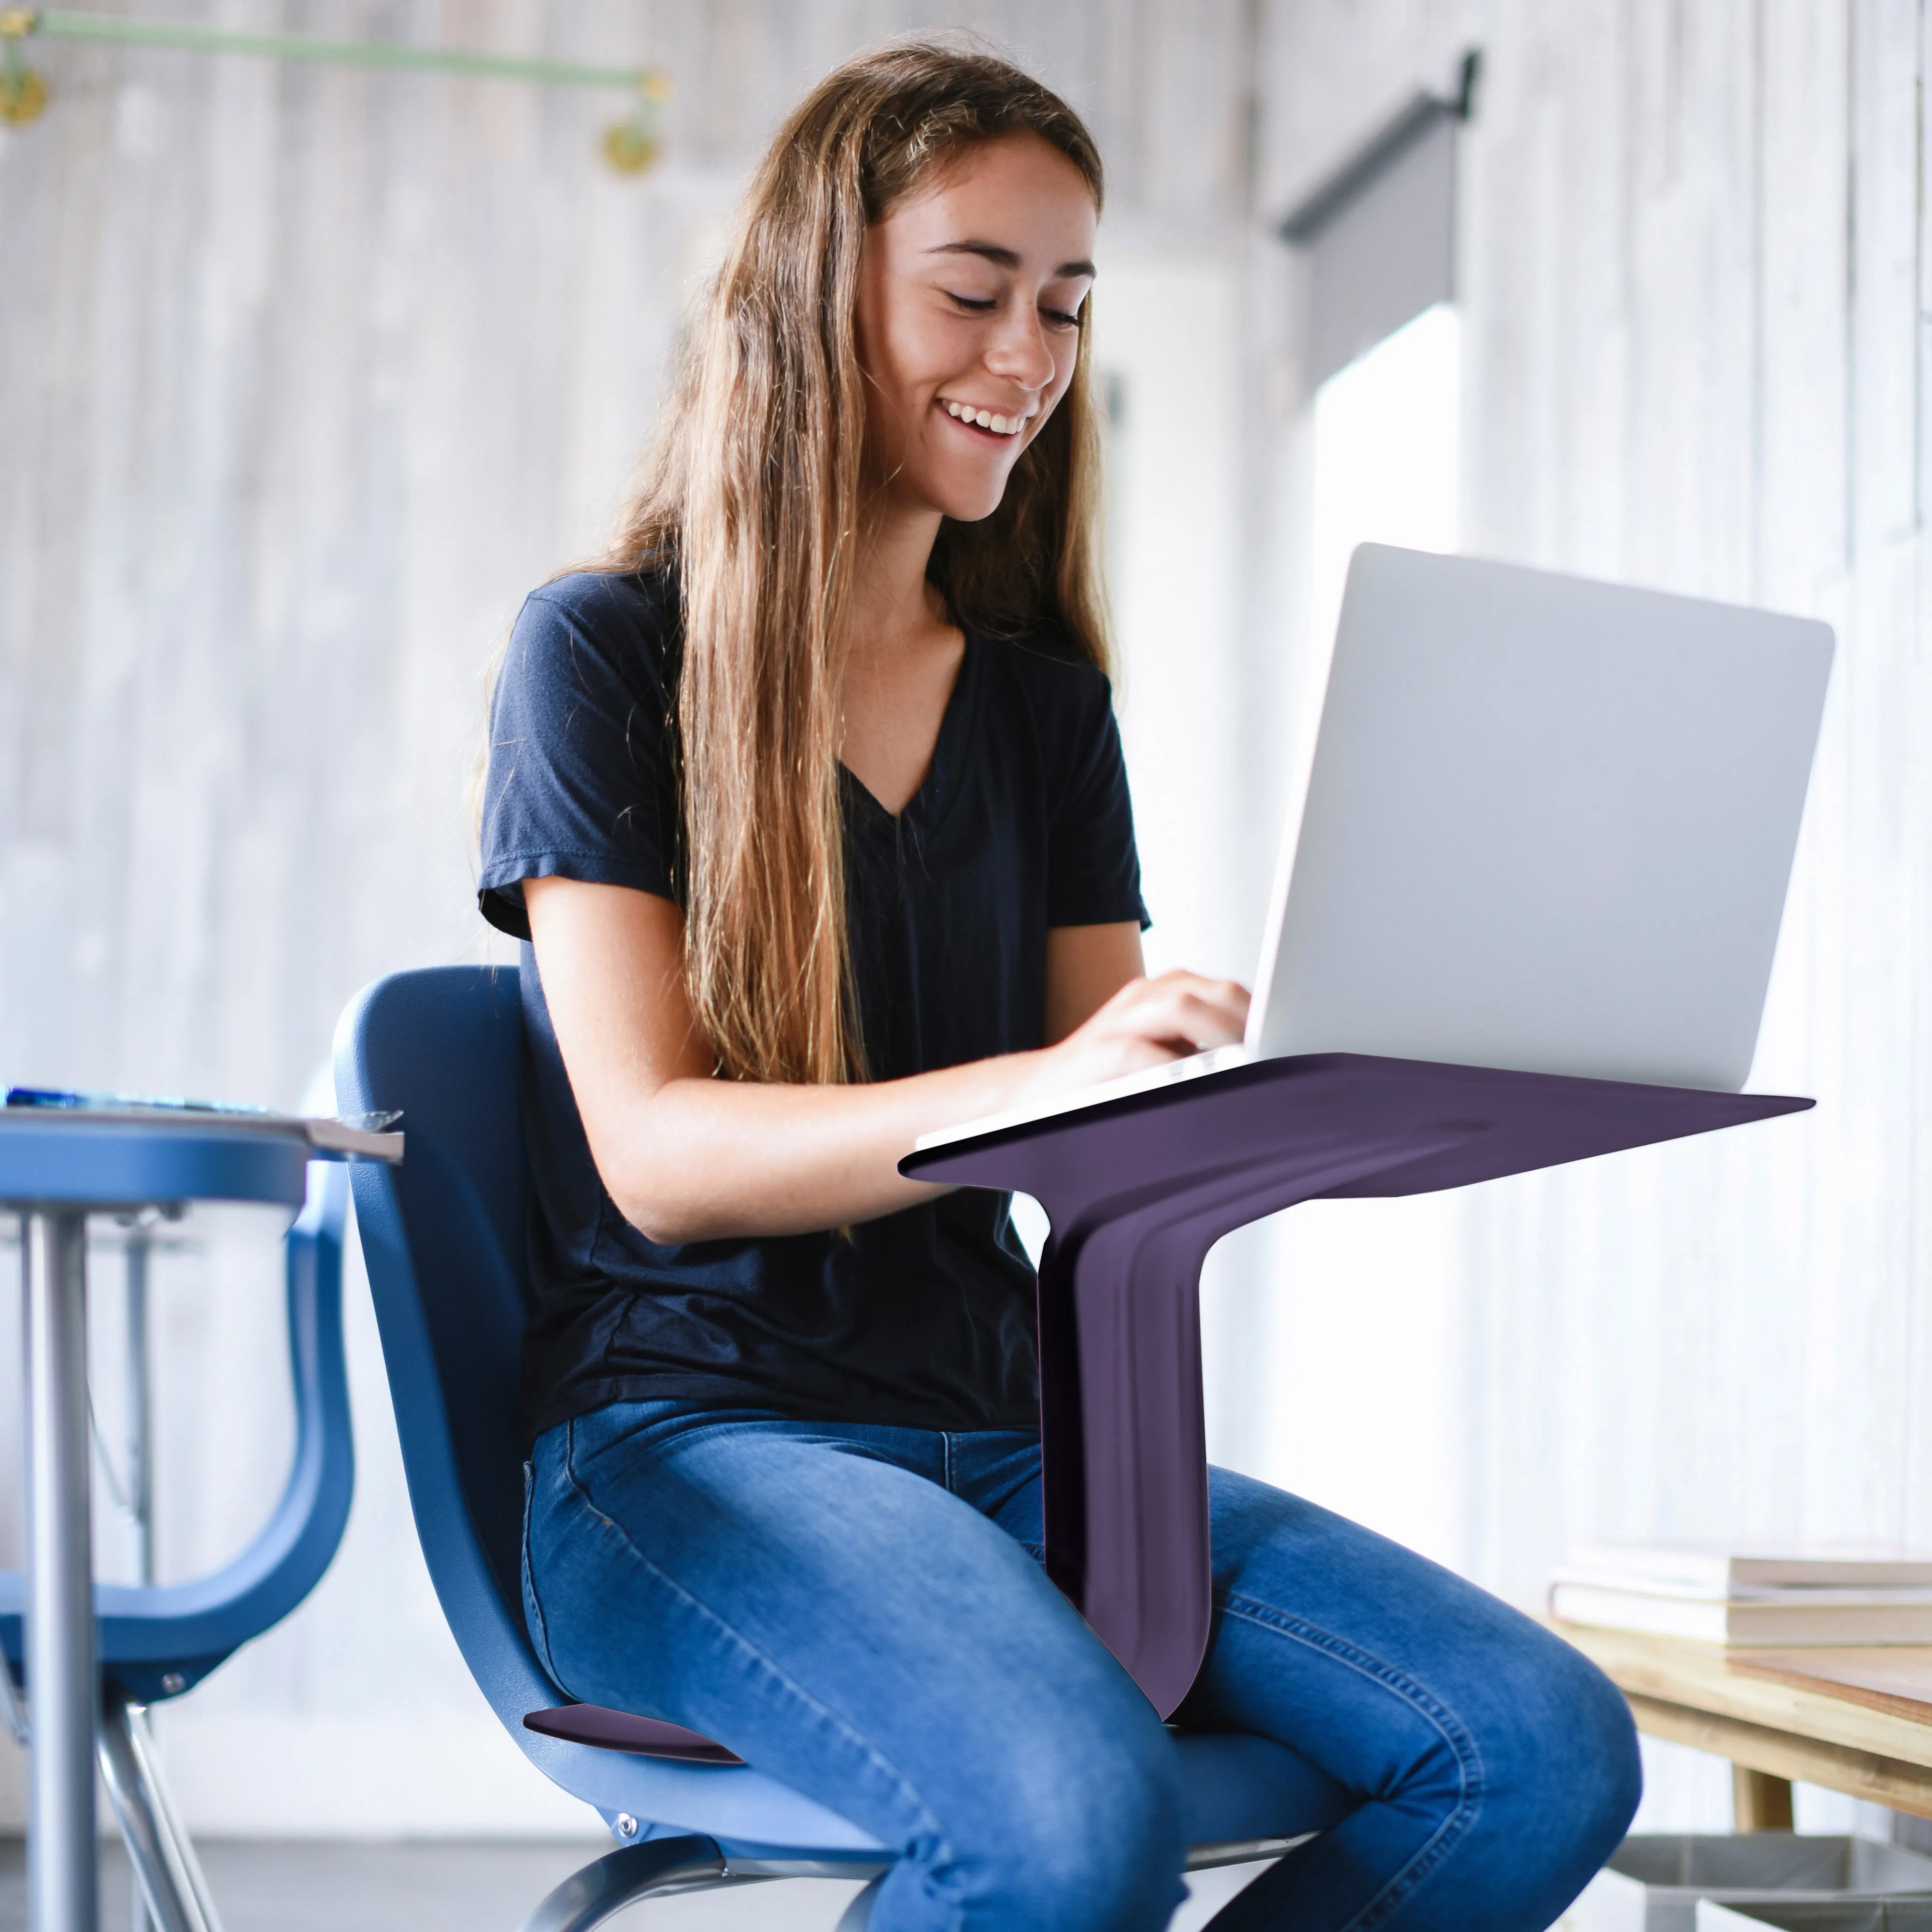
<point>688,1157</point>
<point>1146,1024</point>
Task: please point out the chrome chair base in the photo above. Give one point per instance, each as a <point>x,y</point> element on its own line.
<point>166,1872</point>
<point>661,1867</point>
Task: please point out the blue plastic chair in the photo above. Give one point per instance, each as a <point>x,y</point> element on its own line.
<point>158,1641</point>
<point>444,1235</point>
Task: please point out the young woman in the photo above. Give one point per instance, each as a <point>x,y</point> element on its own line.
<point>811,807</point>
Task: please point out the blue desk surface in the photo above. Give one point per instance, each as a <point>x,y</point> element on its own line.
<point>49,1159</point>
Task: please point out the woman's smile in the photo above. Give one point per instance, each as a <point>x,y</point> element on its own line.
<point>986,422</point>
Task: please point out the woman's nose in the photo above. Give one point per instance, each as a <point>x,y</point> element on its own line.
<point>1020,353</point>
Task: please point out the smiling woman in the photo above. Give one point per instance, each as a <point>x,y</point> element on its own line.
<point>954,322</point>
<point>810,808</point>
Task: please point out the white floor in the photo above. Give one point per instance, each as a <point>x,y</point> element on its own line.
<point>328,1886</point>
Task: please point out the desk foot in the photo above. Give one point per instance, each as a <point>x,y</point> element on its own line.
<point>1759,1802</point>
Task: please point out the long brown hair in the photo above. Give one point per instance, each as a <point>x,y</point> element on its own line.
<point>752,494</point>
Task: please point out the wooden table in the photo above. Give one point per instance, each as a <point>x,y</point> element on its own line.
<point>1857,1720</point>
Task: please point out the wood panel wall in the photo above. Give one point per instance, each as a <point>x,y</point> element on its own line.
<point>1694,266</point>
<point>307,376</point>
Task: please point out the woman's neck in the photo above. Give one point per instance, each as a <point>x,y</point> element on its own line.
<point>893,606</point>
<point>903,655</point>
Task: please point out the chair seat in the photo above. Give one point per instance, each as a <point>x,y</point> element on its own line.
<point>618,1730</point>
<point>1238,1786</point>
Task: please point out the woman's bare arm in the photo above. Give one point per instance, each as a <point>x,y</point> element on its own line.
<point>1086,966</point>
<point>686,1156</point>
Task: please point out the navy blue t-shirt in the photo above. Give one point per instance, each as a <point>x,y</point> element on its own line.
<point>923,1319</point>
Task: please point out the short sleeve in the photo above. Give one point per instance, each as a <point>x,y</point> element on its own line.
<point>582,775</point>
<point>1094,869</point>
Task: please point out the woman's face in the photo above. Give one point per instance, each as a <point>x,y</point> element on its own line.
<point>969,294</point>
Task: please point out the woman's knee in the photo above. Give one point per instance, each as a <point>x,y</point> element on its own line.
<point>1580,1774</point>
<point>1086,1831</point>
<point>1609,1769</point>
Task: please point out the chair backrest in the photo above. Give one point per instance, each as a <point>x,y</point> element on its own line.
<point>444,1237</point>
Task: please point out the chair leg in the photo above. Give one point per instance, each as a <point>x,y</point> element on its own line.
<point>660,1866</point>
<point>167,1871</point>
<point>858,1915</point>
<point>621,1878</point>
<point>182,1852</point>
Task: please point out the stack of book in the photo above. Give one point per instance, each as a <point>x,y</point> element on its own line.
<point>1819,1594</point>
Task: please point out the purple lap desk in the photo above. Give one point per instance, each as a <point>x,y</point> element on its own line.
<point>1138,1189</point>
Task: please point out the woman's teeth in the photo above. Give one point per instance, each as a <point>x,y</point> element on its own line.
<point>985,419</point>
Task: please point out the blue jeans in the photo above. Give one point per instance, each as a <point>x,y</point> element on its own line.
<point>860,1611</point>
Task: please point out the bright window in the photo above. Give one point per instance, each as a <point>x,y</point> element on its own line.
<point>1366,1332</point>
<point>1385,453</point>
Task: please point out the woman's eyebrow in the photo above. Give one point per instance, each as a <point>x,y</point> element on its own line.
<point>1006,258</point>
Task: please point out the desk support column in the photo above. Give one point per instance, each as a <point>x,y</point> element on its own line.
<point>62,1869</point>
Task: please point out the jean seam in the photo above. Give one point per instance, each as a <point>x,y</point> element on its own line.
<point>1469,1759</point>
<point>540,1636</point>
<point>930,1822</point>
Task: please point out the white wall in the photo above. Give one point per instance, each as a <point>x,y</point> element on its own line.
<point>308,375</point>
<point>1166,348</point>
<point>1168,353</point>
<point>1692,261</point>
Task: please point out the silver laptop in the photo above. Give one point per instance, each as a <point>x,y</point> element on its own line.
<point>1549,826</point>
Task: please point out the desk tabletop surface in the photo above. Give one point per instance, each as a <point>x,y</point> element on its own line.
<point>51,1159</point>
<point>1395,1126</point>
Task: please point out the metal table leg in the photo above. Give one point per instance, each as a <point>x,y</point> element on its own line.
<point>62,1881</point>
<point>140,1405</point>
<point>140,1481</point>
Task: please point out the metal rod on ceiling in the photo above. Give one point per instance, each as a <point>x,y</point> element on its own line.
<point>21,22</point>
<point>631,146</point>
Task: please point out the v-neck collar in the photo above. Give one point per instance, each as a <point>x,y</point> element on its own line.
<point>927,806</point>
